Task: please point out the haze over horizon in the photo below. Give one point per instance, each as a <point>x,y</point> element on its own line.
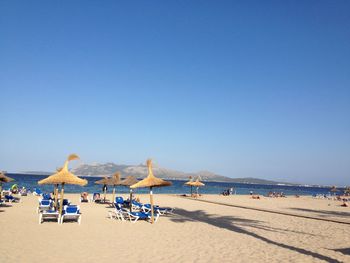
<point>245,89</point>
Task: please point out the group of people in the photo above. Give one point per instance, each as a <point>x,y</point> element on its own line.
<point>229,191</point>
<point>276,194</point>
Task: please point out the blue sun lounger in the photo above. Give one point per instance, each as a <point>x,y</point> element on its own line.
<point>44,205</point>
<point>118,213</point>
<point>48,214</point>
<point>10,198</point>
<point>71,212</point>
<point>37,192</point>
<point>158,209</point>
<point>134,216</point>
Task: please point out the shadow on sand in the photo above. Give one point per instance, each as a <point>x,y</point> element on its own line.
<point>236,224</point>
<point>345,251</point>
<point>323,213</point>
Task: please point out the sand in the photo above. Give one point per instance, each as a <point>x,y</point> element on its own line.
<point>196,232</point>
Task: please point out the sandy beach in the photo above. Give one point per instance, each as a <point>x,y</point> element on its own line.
<point>196,232</point>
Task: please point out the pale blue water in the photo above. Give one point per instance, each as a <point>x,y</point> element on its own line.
<point>30,182</point>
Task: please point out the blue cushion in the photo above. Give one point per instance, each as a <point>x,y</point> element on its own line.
<point>71,210</point>
<point>45,202</point>
<point>119,200</point>
<point>136,203</point>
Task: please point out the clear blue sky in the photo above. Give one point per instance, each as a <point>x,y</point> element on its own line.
<point>239,88</point>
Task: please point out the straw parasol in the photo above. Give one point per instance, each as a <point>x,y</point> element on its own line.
<point>104,181</point>
<point>128,181</point>
<point>114,181</point>
<point>189,183</point>
<point>197,184</point>
<point>63,176</point>
<point>4,179</point>
<point>151,181</point>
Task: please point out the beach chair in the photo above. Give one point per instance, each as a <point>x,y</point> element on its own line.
<point>96,197</point>
<point>66,202</point>
<point>84,197</point>
<point>71,212</point>
<point>46,196</point>
<point>11,199</point>
<point>48,215</point>
<point>44,205</point>
<point>119,201</point>
<point>160,210</point>
<point>134,216</point>
<point>118,213</point>
<point>136,205</point>
<point>37,192</point>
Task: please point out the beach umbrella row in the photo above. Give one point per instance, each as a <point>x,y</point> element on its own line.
<point>112,181</point>
<point>64,176</point>
<point>196,183</point>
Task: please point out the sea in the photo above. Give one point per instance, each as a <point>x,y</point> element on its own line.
<point>30,182</point>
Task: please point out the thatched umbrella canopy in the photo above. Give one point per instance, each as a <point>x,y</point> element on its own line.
<point>189,183</point>
<point>104,181</point>
<point>63,176</point>
<point>4,179</point>
<point>197,184</point>
<point>129,181</point>
<point>151,181</point>
<point>114,181</point>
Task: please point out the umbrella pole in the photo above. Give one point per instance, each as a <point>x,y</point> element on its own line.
<point>61,204</point>
<point>130,204</point>
<point>151,199</point>
<point>113,195</point>
<point>104,196</point>
<point>191,190</point>
<point>56,195</point>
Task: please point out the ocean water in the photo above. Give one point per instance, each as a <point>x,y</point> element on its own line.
<point>178,187</point>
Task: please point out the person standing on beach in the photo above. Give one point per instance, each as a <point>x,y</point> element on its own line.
<point>104,190</point>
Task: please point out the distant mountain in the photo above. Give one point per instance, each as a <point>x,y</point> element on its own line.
<point>140,171</point>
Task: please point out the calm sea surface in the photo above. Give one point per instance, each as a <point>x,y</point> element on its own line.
<point>30,182</point>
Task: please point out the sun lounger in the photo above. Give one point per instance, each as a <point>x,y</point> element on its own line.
<point>46,196</point>
<point>44,205</point>
<point>136,205</point>
<point>118,213</point>
<point>96,197</point>
<point>37,192</point>
<point>158,209</point>
<point>134,216</point>
<point>48,215</point>
<point>11,199</point>
<point>84,197</point>
<point>71,212</point>
<point>120,201</point>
